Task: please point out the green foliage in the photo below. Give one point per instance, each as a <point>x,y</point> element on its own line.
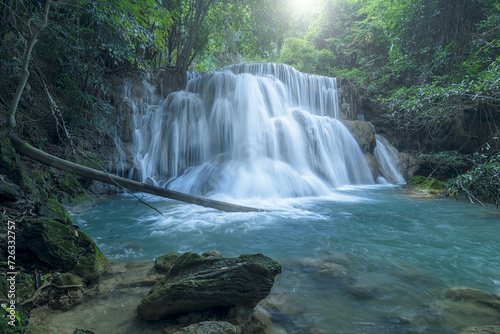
<point>231,31</point>
<point>482,182</point>
<point>20,322</point>
<point>442,162</point>
<point>304,57</point>
<point>431,105</point>
<point>86,40</point>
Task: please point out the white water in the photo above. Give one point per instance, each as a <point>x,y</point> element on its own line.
<point>388,161</point>
<point>248,131</point>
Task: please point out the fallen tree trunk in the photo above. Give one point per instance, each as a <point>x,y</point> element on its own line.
<point>40,156</point>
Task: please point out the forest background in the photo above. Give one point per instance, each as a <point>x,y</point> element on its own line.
<point>422,62</point>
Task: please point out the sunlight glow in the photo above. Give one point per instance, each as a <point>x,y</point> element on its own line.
<point>303,6</point>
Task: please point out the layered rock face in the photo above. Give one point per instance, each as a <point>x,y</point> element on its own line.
<point>197,283</point>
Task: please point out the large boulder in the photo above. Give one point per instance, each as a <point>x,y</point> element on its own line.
<point>197,283</point>
<point>62,247</point>
<point>364,133</point>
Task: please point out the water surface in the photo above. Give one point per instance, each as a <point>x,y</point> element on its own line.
<point>367,259</point>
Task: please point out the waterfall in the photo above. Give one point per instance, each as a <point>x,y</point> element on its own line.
<point>388,161</point>
<point>246,131</point>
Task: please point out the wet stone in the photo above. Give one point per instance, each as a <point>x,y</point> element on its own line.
<point>197,283</point>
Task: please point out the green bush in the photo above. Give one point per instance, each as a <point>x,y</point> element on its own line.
<point>482,182</point>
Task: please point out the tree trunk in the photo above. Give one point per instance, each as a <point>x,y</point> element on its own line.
<point>11,118</point>
<point>40,156</point>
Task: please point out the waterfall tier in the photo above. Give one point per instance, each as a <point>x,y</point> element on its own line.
<point>388,160</point>
<point>247,131</point>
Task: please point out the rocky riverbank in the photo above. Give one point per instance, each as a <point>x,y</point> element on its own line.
<point>111,306</point>
<point>124,297</point>
<point>46,260</point>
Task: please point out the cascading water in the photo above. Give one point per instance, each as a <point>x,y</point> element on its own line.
<point>248,131</point>
<point>388,160</point>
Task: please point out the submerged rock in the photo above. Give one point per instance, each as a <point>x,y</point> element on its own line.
<point>465,294</point>
<point>463,306</point>
<point>210,327</point>
<point>481,330</point>
<point>197,283</point>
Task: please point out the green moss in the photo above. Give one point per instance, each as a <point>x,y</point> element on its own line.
<point>164,263</point>
<point>11,166</point>
<point>25,286</point>
<point>260,263</point>
<point>56,211</point>
<point>427,184</point>
<point>63,248</point>
<point>67,279</point>
<point>70,184</point>
<point>79,200</point>
<point>10,159</point>
<point>90,266</point>
<point>37,184</point>
<point>52,242</point>
<point>38,178</point>
<point>185,261</point>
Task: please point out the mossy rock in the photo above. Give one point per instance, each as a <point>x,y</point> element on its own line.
<point>10,165</point>
<point>25,286</point>
<point>197,283</point>
<point>10,191</point>
<point>91,266</point>
<point>39,184</point>
<point>81,199</point>
<point>64,299</point>
<point>70,184</point>
<point>428,185</point>
<point>63,248</point>
<point>53,209</point>
<point>10,162</point>
<point>164,263</point>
